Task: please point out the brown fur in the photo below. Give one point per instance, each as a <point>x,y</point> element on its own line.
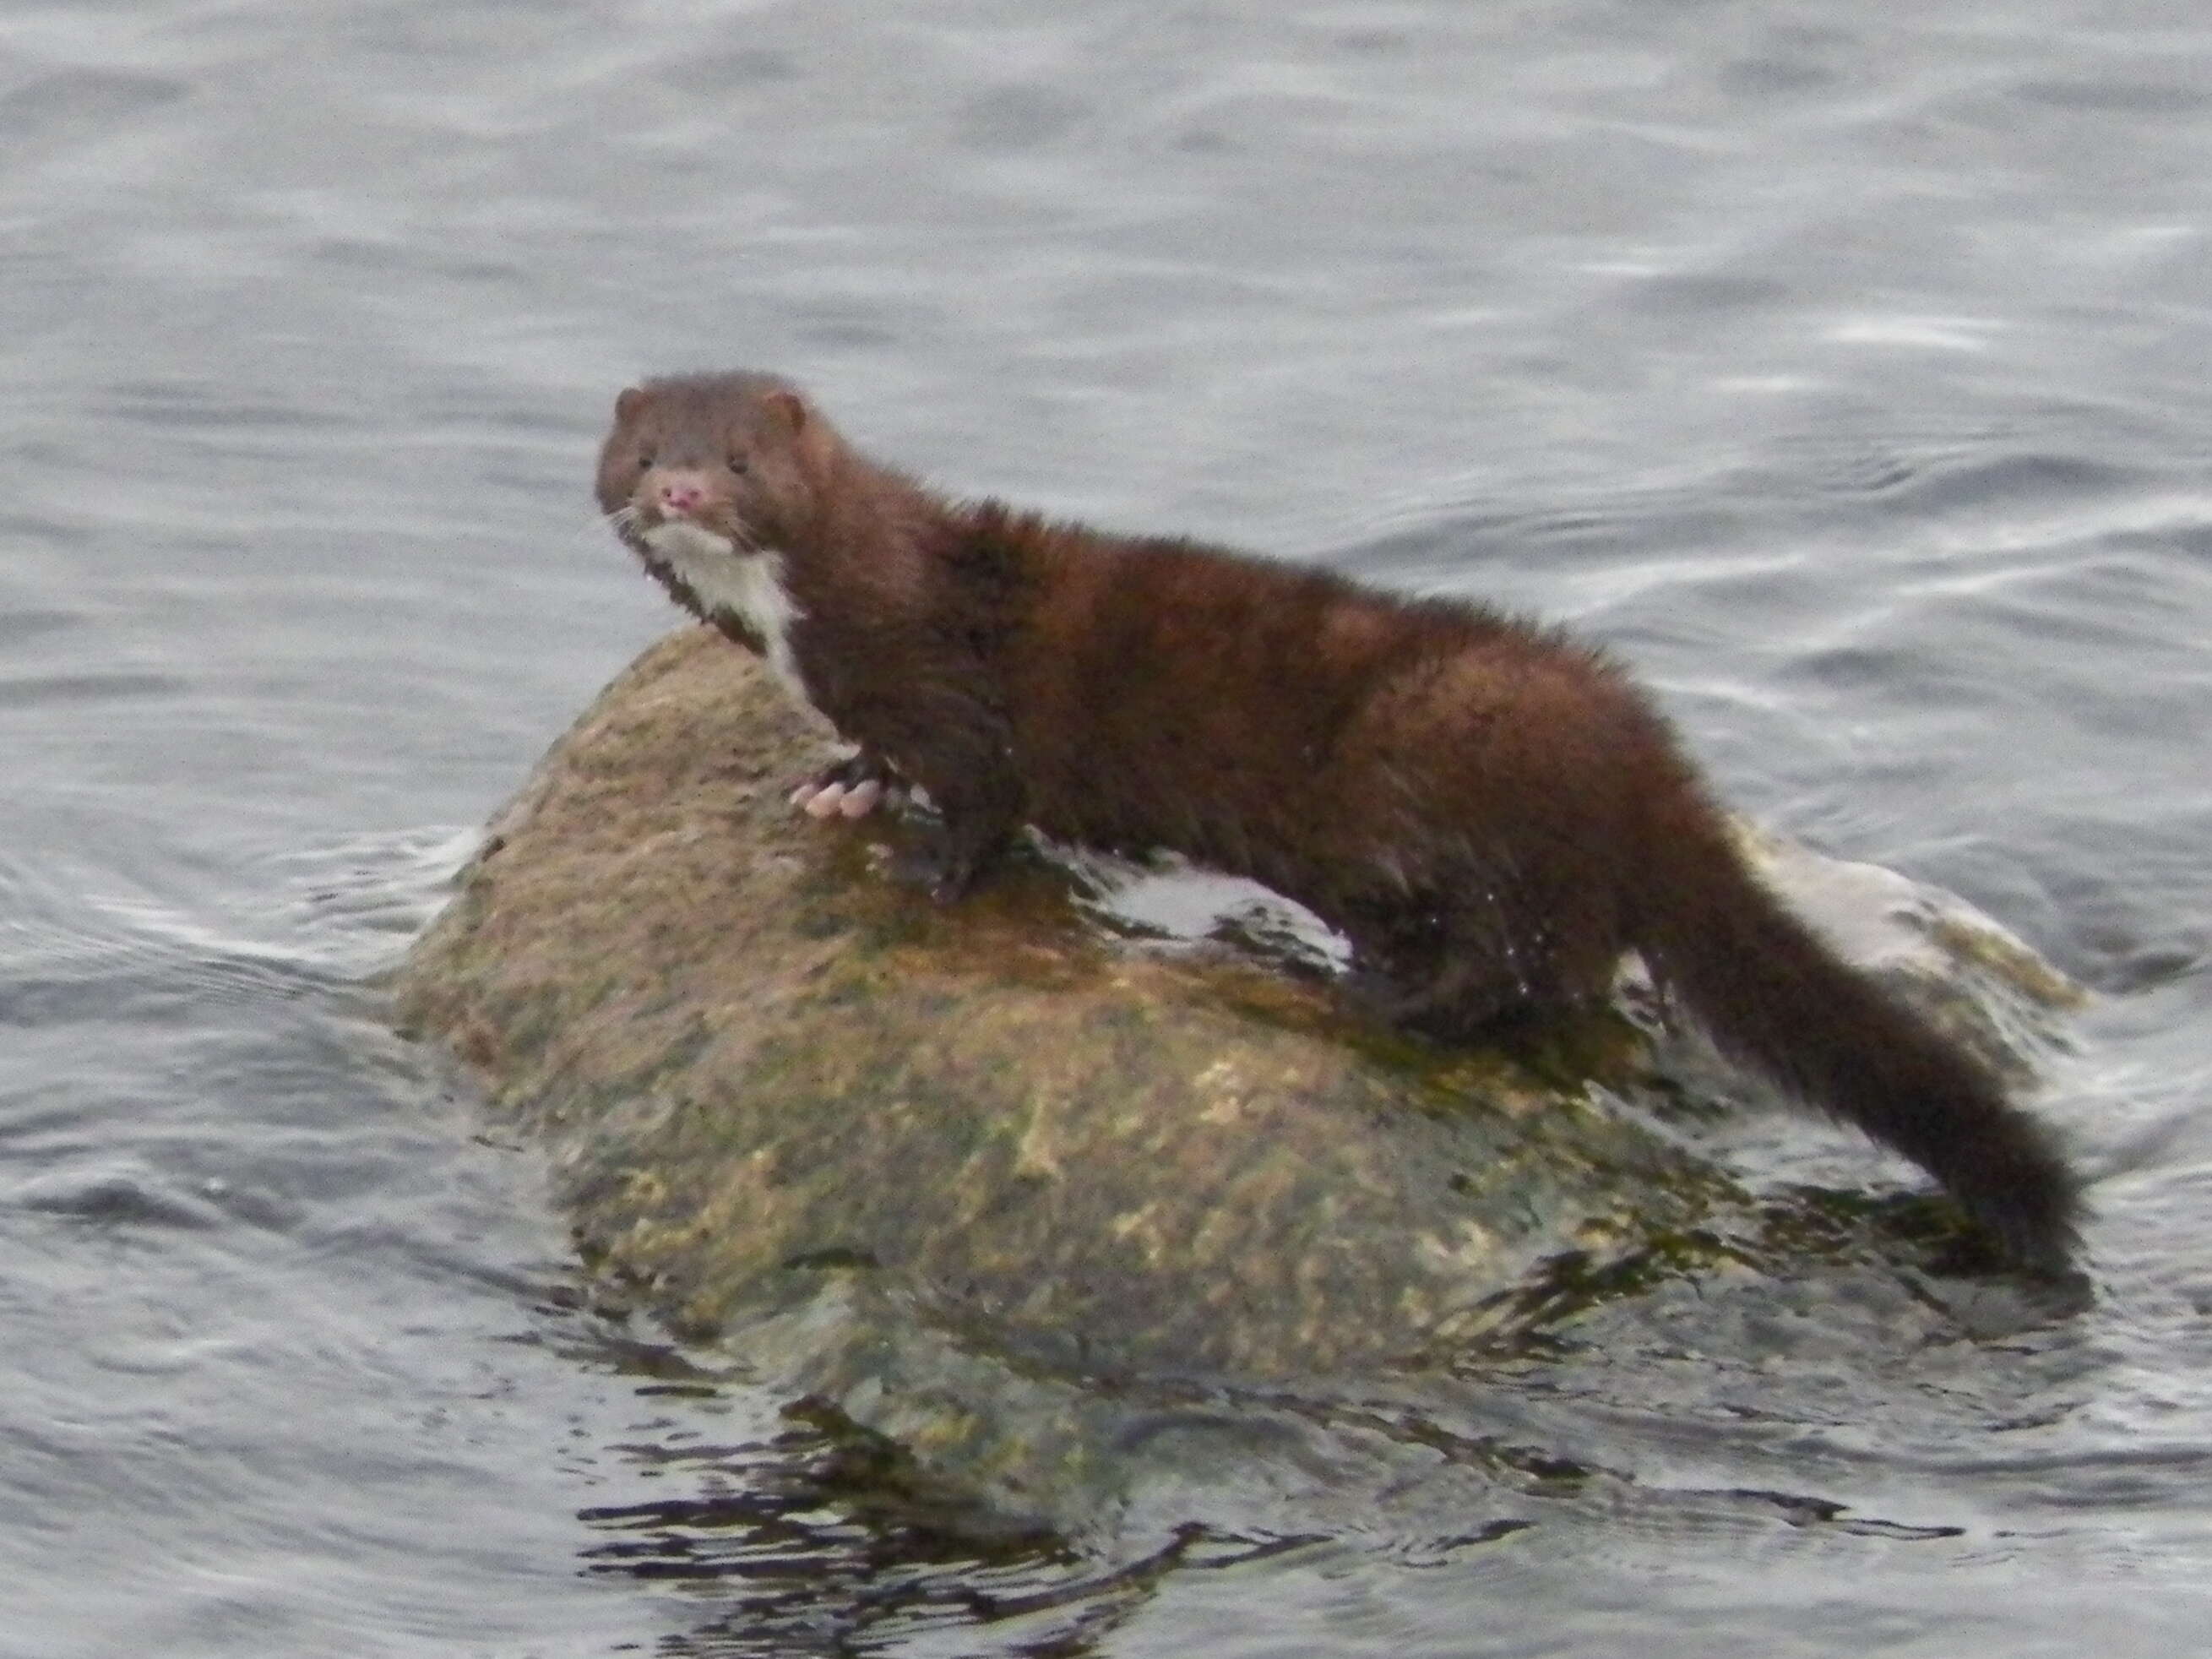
<point>1489,812</point>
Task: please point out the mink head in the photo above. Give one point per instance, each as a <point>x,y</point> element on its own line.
<point>733,455</point>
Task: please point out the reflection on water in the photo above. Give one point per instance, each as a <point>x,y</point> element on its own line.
<point>1841,368</point>
<point>815,1543</point>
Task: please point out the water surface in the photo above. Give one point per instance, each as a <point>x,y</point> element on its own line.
<point>1843,368</point>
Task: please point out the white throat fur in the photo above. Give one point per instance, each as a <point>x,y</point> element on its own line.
<point>747,585</point>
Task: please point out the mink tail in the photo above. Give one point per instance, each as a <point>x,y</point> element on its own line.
<point>1776,998</point>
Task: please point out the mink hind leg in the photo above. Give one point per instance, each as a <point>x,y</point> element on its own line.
<point>1461,973</point>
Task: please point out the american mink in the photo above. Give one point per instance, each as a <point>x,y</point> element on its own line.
<point>1489,812</point>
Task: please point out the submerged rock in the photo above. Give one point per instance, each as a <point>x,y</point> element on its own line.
<point>943,1168</point>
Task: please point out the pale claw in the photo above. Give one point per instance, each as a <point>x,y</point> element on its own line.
<point>861,799</point>
<point>825,802</point>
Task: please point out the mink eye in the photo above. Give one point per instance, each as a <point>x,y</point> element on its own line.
<point>644,459</point>
<point>737,463</point>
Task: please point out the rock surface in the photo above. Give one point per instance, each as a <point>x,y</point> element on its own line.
<point>944,1168</point>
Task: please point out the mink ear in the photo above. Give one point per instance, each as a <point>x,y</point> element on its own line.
<point>787,409</point>
<point>628,403</point>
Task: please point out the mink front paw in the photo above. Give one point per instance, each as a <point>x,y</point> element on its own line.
<point>849,788</point>
<point>945,876</point>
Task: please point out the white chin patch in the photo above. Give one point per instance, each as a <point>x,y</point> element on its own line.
<point>682,542</point>
<point>748,586</point>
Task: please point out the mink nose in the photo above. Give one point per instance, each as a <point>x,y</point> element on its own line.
<point>678,496</point>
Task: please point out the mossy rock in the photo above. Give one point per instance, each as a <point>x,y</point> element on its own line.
<point>922,1161</point>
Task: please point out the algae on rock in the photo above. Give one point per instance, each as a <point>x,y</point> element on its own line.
<point>808,1109</point>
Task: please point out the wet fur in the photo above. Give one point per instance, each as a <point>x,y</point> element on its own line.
<point>1491,813</point>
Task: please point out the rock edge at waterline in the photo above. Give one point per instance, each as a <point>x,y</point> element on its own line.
<point>777,1087</point>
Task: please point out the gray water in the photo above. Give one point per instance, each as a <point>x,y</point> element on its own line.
<point>1843,366</point>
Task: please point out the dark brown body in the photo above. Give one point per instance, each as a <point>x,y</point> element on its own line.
<point>1491,813</point>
